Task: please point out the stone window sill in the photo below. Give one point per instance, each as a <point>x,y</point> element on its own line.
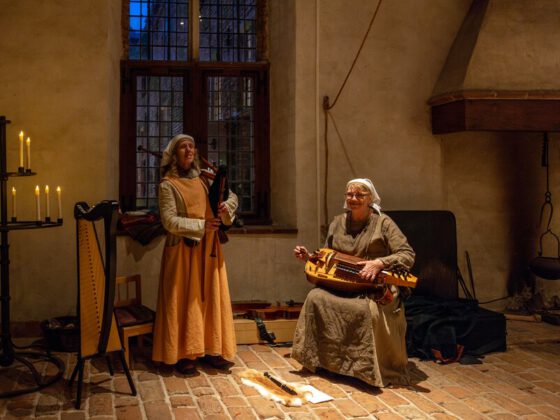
<point>263,230</point>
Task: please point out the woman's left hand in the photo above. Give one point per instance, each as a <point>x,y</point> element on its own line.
<point>371,269</point>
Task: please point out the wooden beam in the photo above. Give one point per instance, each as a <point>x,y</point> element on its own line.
<point>496,115</point>
<point>194,30</point>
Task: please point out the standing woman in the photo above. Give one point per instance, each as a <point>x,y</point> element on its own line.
<point>350,333</point>
<point>194,317</point>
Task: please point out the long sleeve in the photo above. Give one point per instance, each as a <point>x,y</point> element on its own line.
<point>231,204</point>
<point>172,222</point>
<point>400,252</point>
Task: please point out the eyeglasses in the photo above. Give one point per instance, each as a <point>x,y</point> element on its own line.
<point>359,196</point>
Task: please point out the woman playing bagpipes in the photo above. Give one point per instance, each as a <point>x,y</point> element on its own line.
<point>353,334</point>
<point>194,317</point>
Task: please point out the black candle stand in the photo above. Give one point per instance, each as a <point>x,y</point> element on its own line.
<point>8,354</point>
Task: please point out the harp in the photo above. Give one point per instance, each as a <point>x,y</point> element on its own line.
<point>99,335</point>
<point>337,271</point>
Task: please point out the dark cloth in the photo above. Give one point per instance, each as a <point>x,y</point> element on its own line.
<point>142,228</point>
<point>438,324</point>
<point>145,233</point>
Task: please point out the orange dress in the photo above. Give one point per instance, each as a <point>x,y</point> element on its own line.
<point>194,315</point>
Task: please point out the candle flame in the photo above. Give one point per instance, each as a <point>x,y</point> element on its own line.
<point>13,190</point>
<point>21,135</point>
<point>37,190</point>
<point>46,189</point>
<point>58,190</point>
<point>28,141</point>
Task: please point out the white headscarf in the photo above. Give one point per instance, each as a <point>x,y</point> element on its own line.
<point>366,182</point>
<point>169,151</point>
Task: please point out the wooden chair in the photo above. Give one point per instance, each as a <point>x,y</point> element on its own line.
<point>133,318</point>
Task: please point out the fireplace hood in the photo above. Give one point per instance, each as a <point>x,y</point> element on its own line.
<point>502,71</point>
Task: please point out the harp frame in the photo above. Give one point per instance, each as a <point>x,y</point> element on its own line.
<point>107,341</point>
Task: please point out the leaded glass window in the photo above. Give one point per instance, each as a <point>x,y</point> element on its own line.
<point>158,30</point>
<point>159,116</point>
<point>228,30</point>
<point>200,77</point>
<point>231,133</point>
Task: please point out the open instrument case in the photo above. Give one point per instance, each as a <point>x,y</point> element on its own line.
<point>259,321</point>
<point>433,236</point>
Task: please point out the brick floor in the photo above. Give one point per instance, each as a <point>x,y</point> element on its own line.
<point>523,382</point>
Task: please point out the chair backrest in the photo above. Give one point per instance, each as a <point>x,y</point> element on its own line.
<point>433,236</point>
<point>125,286</point>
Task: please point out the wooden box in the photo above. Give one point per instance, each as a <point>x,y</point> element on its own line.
<point>246,331</point>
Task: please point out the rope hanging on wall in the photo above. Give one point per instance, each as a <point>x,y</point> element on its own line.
<point>327,107</point>
<point>546,267</point>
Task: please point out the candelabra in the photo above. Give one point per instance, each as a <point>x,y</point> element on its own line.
<point>10,354</point>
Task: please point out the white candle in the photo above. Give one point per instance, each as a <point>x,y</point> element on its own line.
<point>21,149</point>
<point>58,194</point>
<point>38,202</point>
<point>14,202</point>
<point>47,205</point>
<point>28,143</point>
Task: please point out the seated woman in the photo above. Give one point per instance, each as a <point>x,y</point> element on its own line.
<point>352,334</point>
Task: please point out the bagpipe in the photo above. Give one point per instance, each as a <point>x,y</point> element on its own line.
<point>218,191</point>
<point>337,271</point>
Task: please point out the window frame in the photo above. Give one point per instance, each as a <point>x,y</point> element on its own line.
<point>195,121</point>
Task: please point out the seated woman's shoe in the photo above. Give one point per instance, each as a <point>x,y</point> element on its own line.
<point>217,362</point>
<point>186,367</point>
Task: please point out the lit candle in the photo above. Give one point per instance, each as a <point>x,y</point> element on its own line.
<point>58,194</point>
<point>21,149</point>
<point>28,142</point>
<point>13,202</point>
<point>47,205</point>
<point>38,202</point>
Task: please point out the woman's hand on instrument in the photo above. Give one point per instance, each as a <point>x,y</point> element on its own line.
<point>301,253</point>
<point>371,269</point>
<point>212,224</point>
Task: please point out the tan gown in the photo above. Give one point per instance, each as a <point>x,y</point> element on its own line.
<point>194,315</point>
<point>353,335</point>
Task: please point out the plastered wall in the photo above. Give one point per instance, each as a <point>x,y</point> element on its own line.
<point>60,81</point>
<point>519,38</point>
<point>59,78</point>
